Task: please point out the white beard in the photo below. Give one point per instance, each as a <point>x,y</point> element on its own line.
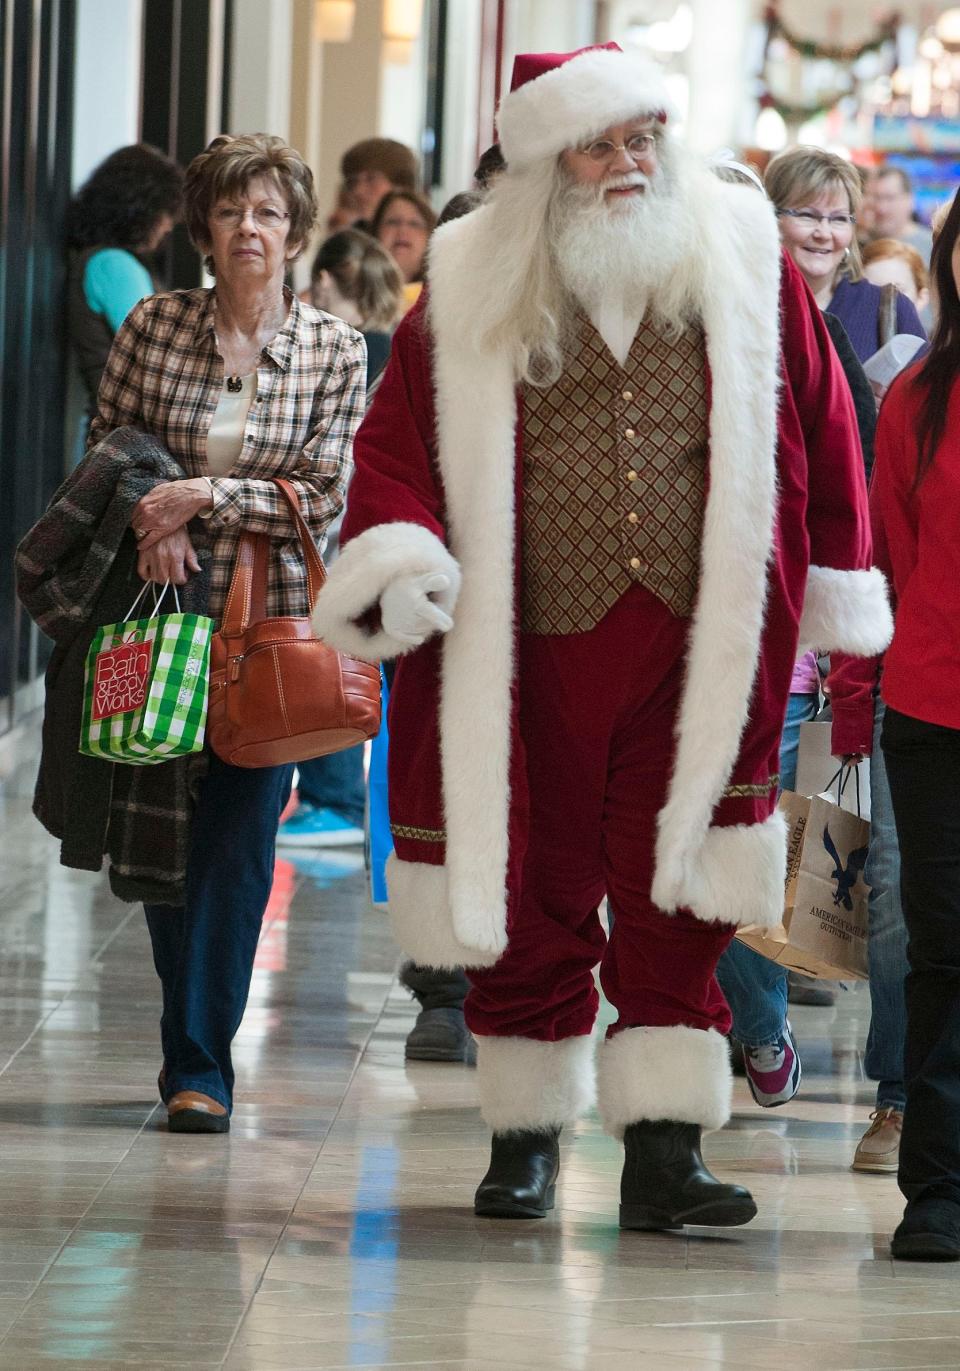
<point>632,251</point>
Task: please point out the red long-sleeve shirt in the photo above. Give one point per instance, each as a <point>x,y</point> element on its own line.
<point>917,544</point>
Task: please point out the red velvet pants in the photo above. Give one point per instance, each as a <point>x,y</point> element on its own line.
<point>597,716</point>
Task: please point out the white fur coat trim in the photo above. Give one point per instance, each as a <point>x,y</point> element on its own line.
<point>529,1084</point>
<point>419,906</point>
<point>576,101</point>
<point>476,418</point>
<point>736,876</point>
<point>681,1074</point>
<point>845,611</point>
<point>360,575</point>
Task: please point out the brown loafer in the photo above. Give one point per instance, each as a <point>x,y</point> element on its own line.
<point>190,1112</point>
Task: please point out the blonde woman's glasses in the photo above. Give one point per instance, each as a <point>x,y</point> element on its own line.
<point>809,218</point>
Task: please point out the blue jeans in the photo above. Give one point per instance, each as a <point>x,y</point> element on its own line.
<point>204,951</point>
<point>336,782</point>
<point>887,941</point>
<point>754,986</point>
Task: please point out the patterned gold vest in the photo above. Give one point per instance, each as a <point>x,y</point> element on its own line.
<point>613,490</point>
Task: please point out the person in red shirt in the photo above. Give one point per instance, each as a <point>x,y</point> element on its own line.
<point>915,502</point>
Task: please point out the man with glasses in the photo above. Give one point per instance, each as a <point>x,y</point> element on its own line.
<point>599,488</point>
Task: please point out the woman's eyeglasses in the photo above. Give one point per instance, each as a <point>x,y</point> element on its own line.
<point>265,216</point>
<point>809,218</point>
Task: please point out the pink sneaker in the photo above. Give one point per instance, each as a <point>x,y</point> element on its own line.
<point>773,1072</point>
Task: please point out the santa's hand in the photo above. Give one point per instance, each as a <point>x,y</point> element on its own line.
<point>413,608</point>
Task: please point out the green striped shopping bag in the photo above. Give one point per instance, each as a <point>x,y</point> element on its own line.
<point>145,686</point>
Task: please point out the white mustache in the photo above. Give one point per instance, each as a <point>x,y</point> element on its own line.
<point>626,180</point>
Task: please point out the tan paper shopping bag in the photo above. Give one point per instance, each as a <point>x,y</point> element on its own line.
<point>824,927</point>
<point>829,919</point>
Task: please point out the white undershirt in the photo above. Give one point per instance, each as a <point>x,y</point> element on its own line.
<point>225,437</point>
<point>616,322</point>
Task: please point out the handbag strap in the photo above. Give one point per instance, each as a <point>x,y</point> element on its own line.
<point>887,317</point>
<point>247,596</point>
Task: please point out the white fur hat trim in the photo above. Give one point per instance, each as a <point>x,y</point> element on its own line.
<point>578,100</point>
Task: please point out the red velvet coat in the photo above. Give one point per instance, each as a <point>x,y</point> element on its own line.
<point>785,564</point>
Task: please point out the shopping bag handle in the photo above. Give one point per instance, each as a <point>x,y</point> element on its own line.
<point>157,600</point>
<point>842,776</point>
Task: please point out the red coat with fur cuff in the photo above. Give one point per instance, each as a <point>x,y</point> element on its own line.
<point>439,472</point>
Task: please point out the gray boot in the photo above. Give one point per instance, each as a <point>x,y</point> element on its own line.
<point>439,1034</point>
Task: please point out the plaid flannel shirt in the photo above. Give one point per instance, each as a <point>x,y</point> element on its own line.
<point>164,375</point>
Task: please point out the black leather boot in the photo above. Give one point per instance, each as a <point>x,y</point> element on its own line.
<point>521,1179</point>
<point>665,1183</point>
<point>439,1034</point>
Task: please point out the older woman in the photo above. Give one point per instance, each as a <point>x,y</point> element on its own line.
<point>241,383</point>
<point>817,196</point>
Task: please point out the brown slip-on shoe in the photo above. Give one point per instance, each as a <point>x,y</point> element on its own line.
<point>879,1148</point>
<point>190,1112</point>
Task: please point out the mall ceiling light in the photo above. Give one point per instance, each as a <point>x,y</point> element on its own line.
<point>947,29</point>
<point>333,20</point>
<point>400,28</point>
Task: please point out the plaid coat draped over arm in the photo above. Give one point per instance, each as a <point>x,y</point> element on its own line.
<point>164,375</point>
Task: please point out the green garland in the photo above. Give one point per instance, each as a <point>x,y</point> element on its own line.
<point>830,52</point>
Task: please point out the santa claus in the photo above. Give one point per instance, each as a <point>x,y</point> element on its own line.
<point>609,486</point>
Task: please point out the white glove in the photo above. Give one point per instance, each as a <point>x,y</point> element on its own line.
<point>413,608</point>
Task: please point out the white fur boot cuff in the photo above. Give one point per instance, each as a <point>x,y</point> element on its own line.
<point>526,1084</point>
<point>680,1073</point>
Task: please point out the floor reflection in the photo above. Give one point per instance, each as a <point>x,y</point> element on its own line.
<point>333,1227</point>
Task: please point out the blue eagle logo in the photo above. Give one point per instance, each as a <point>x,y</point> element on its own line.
<point>845,876</point>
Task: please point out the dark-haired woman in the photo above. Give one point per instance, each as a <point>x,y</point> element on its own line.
<point>403,223</point>
<point>916,511</point>
<point>118,218</point>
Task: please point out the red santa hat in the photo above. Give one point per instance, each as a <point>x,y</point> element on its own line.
<point>560,99</point>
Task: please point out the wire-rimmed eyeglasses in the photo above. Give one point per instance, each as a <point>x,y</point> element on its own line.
<point>809,218</point>
<point>601,149</point>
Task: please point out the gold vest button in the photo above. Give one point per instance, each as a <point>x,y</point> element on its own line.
<point>633,517</point>
<point>629,433</point>
<point>635,563</point>
<point>631,475</point>
<point>628,395</point>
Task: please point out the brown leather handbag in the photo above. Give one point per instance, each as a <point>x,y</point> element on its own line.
<point>277,693</point>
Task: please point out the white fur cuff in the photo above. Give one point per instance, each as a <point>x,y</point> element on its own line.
<point>529,1084</point>
<point>736,876</point>
<point>681,1074</point>
<point>845,611</point>
<point>419,907</point>
<point>366,566</point>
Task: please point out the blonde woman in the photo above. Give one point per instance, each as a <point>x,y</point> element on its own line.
<point>356,279</point>
<point>817,196</point>
<point>241,383</point>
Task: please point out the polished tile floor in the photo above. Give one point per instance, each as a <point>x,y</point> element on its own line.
<point>332,1229</point>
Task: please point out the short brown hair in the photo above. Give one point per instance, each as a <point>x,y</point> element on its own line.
<point>225,169</point>
<point>802,173</point>
<point>883,248</point>
<point>902,175</point>
<point>393,160</point>
<point>365,273</point>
